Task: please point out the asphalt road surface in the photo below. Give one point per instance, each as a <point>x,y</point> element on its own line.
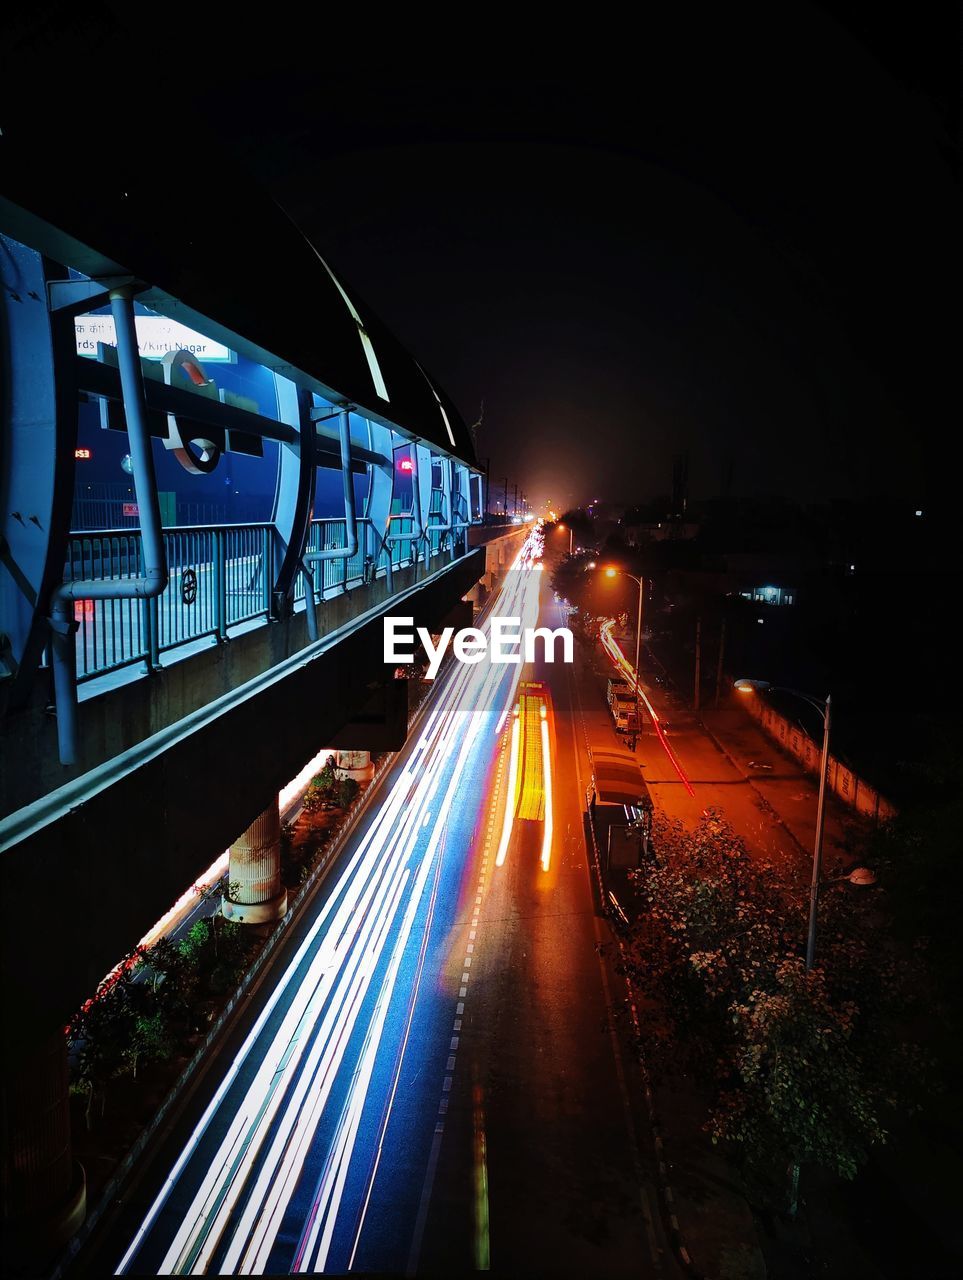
<point>436,1077</point>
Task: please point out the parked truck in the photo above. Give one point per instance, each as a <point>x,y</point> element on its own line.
<point>622,704</point>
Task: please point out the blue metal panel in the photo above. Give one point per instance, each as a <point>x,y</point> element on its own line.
<point>38,432</point>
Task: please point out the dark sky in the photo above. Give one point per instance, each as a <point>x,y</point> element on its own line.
<point>730,233</point>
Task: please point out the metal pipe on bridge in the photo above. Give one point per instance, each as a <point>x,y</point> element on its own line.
<point>154,578</point>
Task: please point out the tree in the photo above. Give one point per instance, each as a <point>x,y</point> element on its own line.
<point>714,924</point>
<point>799,1066</point>
<point>801,1089</point>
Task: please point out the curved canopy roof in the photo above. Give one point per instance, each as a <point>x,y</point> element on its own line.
<point>217,253</point>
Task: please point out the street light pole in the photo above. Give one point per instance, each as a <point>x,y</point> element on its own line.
<point>818,847</point>
<point>824,707</point>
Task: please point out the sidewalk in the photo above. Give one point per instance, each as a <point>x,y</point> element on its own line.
<point>787,791</point>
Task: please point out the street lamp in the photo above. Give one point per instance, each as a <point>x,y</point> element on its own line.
<point>570,532</point>
<point>824,707</point>
<point>612,572</point>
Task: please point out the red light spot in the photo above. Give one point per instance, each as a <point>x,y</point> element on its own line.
<point>83,454</point>
<point>84,610</point>
<point>406,465</point>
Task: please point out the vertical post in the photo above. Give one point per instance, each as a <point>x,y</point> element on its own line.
<point>818,846</point>
<point>220,588</point>
<point>267,571</point>
<point>698,665</point>
<point>153,635</point>
<point>722,649</point>
<point>505,500</point>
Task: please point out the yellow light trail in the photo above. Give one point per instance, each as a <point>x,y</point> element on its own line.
<point>509,819</point>
<point>547,789</point>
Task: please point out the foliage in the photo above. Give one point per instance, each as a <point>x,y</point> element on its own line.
<point>798,1066</point>
<point>321,789</point>
<point>149,1039</point>
<point>326,790</point>
<point>140,1015</point>
<point>170,973</point>
<point>99,1034</point>
<point>346,791</point>
<point>801,1087</point>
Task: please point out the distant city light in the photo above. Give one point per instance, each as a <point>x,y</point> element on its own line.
<point>919,513</point>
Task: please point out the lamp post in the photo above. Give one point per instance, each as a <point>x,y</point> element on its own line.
<point>612,572</point>
<point>824,707</point>
<point>570,533</point>
<point>857,876</point>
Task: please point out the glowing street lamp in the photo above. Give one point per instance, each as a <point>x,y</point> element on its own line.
<point>570,533</point>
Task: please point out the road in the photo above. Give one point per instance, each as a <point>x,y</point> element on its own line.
<point>435,1078</point>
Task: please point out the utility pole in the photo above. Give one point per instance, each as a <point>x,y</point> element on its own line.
<point>488,485</point>
<point>698,663</point>
<point>722,649</point>
<point>515,502</point>
<point>505,500</point>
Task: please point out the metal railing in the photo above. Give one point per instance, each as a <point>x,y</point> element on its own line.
<point>220,577</point>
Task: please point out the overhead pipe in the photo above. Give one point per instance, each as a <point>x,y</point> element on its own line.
<point>351,523</point>
<point>154,578</point>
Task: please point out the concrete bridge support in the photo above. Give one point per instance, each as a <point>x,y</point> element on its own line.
<point>255,893</point>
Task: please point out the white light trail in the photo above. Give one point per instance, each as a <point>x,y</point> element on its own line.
<point>343,977</point>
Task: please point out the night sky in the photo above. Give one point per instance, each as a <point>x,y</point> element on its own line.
<point>732,234</point>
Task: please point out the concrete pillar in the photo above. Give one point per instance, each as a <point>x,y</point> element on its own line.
<point>354,764</point>
<point>254,872</point>
<point>44,1189</point>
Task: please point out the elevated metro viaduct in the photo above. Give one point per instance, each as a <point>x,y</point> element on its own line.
<point>160,683</point>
